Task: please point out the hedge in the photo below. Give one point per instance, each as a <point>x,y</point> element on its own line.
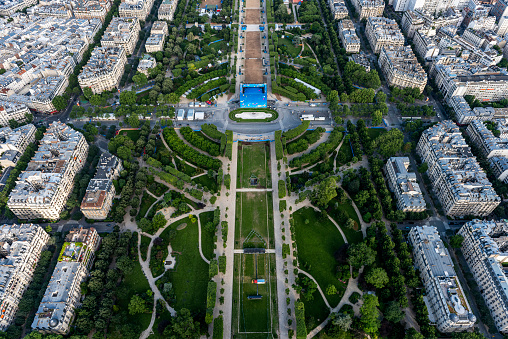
<point>279,149</point>
<point>211,131</point>
<point>199,91</point>
<point>218,327</point>
<point>222,262</point>
<point>170,179</point>
<point>297,131</point>
<point>200,142</point>
<point>213,269</point>
<point>282,189</point>
<point>211,296</point>
<point>173,171</point>
<point>320,152</point>
<point>188,153</point>
<point>199,80</point>
<point>229,144</point>
<point>301,329</point>
<point>316,82</point>
<point>288,94</point>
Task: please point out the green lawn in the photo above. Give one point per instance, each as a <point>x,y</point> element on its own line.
<point>375,132</point>
<point>346,150</point>
<point>353,236</point>
<point>317,242</point>
<point>146,201</point>
<point>208,182</point>
<point>143,248</point>
<point>292,50</point>
<point>254,212</point>
<point>206,237</point>
<point>316,311</point>
<point>254,315</point>
<point>132,134</point>
<point>190,278</point>
<point>254,161</point>
<point>182,166</point>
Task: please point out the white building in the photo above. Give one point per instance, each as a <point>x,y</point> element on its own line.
<point>20,249</point>
<point>12,111</point>
<point>135,8</point>
<point>338,8</point>
<point>401,68</point>
<point>43,188</point>
<point>484,248</point>
<point>404,184</point>
<point>104,69</point>
<point>445,299</point>
<point>145,63</point>
<point>154,43</point>
<point>9,7</point>
<point>369,8</point>
<point>122,32</point>
<point>458,180</point>
<point>383,32</point>
<point>16,139</point>
<point>56,310</point>
<point>167,10</point>
<point>348,37</point>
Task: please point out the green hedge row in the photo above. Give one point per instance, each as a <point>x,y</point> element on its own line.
<point>288,94</point>
<point>279,149</point>
<point>200,142</point>
<point>320,152</point>
<point>218,327</point>
<point>211,131</point>
<point>198,91</point>
<point>297,131</point>
<point>301,329</point>
<point>282,189</point>
<point>316,82</point>
<point>199,80</point>
<point>229,145</point>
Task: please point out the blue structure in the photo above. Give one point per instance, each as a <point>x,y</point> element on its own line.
<point>253,96</point>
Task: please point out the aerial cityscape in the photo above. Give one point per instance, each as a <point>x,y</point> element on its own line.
<point>331,169</point>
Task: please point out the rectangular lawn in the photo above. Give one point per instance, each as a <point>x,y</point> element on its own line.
<point>317,241</point>
<point>254,212</point>
<point>254,161</point>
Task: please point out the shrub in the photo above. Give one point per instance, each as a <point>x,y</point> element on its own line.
<point>222,263</point>
<point>297,131</point>
<point>200,142</point>
<point>282,189</point>
<point>218,327</point>
<point>213,269</point>
<point>301,329</point>
<point>279,149</point>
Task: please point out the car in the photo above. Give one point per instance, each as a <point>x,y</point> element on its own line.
<point>209,102</point>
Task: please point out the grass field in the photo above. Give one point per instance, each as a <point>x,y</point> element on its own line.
<point>290,47</point>
<point>316,311</point>
<point>375,132</point>
<point>353,236</point>
<point>206,237</point>
<point>132,134</point>
<point>257,317</point>
<point>143,247</point>
<point>190,277</point>
<point>208,182</point>
<point>254,211</point>
<point>254,160</point>
<point>146,201</point>
<point>317,241</point>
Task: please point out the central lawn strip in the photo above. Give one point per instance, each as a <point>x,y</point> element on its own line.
<point>317,242</point>
<point>146,201</point>
<point>206,237</point>
<point>254,314</point>
<point>131,134</point>
<point>254,161</point>
<point>254,211</point>
<point>352,235</point>
<point>190,276</point>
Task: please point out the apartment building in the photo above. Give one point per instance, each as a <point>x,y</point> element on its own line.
<point>412,20</point>
<point>160,27</point>
<point>135,8</point>
<point>104,69</point>
<point>12,111</point>
<point>9,7</point>
<point>484,248</point>
<point>100,192</point>
<point>154,43</point>
<point>360,59</point>
<point>458,181</point>
<point>90,9</point>
<point>57,308</point>
<point>425,44</point>
<point>348,37</point>
<point>401,68</point>
<point>16,139</point>
<point>369,8</point>
<point>56,10</point>
<point>444,296</point>
<point>502,27</point>
<point>42,190</point>
<point>499,10</point>
<point>122,32</point>
<point>383,32</point>
<point>38,55</point>
<point>404,184</point>
<point>464,114</point>
<point>20,250</point>
<point>167,10</point>
<point>338,8</point>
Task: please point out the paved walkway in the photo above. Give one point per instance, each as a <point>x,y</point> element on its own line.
<point>254,190</point>
<point>199,242</point>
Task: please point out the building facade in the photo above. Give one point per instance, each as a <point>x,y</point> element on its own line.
<point>401,68</point>
<point>167,10</point>
<point>404,185</point>
<point>135,8</point>
<point>42,190</point>
<point>104,69</point>
<point>57,308</point>
<point>12,111</point>
<point>20,249</point>
<point>100,192</point>
<point>122,32</point>
<point>458,180</point>
<point>445,299</point>
<point>338,8</point>
<point>383,32</point>
<point>348,37</point>
<point>369,8</point>
<point>484,248</point>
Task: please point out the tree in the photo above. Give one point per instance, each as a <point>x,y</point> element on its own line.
<point>124,264</point>
<point>331,290</point>
<point>124,152</point>
<point>456,241</point>
<point>469,335</point>
<point>413,334</point>
<point>341,320</point>
<point>159,221</point>
<point>87,92</point>
<point>423,167</point>
<point>393,313</point>
<point>140,79</point>
<point>377,118</point>
<point>350,223</point>
<point>133,120</point>
<point>137,305</point>
<point>96,99</point>
<point>49,229</point>
<point>183,326</point>
<point>325,191</point>
<point>361,254</point>
<point>128,98</point>
<point>377,277</point>
<point>59,102</point>
<point>369,320</point>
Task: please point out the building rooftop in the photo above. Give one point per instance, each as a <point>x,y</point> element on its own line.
<point>403,62</point>
<point>102,62</point>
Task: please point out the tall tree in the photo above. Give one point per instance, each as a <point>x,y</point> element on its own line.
<point>369,320</point>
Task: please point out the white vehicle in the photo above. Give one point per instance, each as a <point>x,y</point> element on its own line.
<point>199,116</point>
<point>190,114</point>
<point>180,115</point>
<point>320,118</point>
<point>307,117</point>
<point>312,104</point>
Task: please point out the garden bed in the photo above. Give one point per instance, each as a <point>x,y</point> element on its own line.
<point>274,114</point>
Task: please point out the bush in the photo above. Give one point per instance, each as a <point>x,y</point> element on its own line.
<point>297,131</point>
<point>218,327</point>
<point>354,297</point>
<point>200,142</point>
<point>301,329</point>
<point>320,152</point>
<point>279,149</point>
<point>213,269</point>
<point>282,189</point>
<point>222,262</point>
